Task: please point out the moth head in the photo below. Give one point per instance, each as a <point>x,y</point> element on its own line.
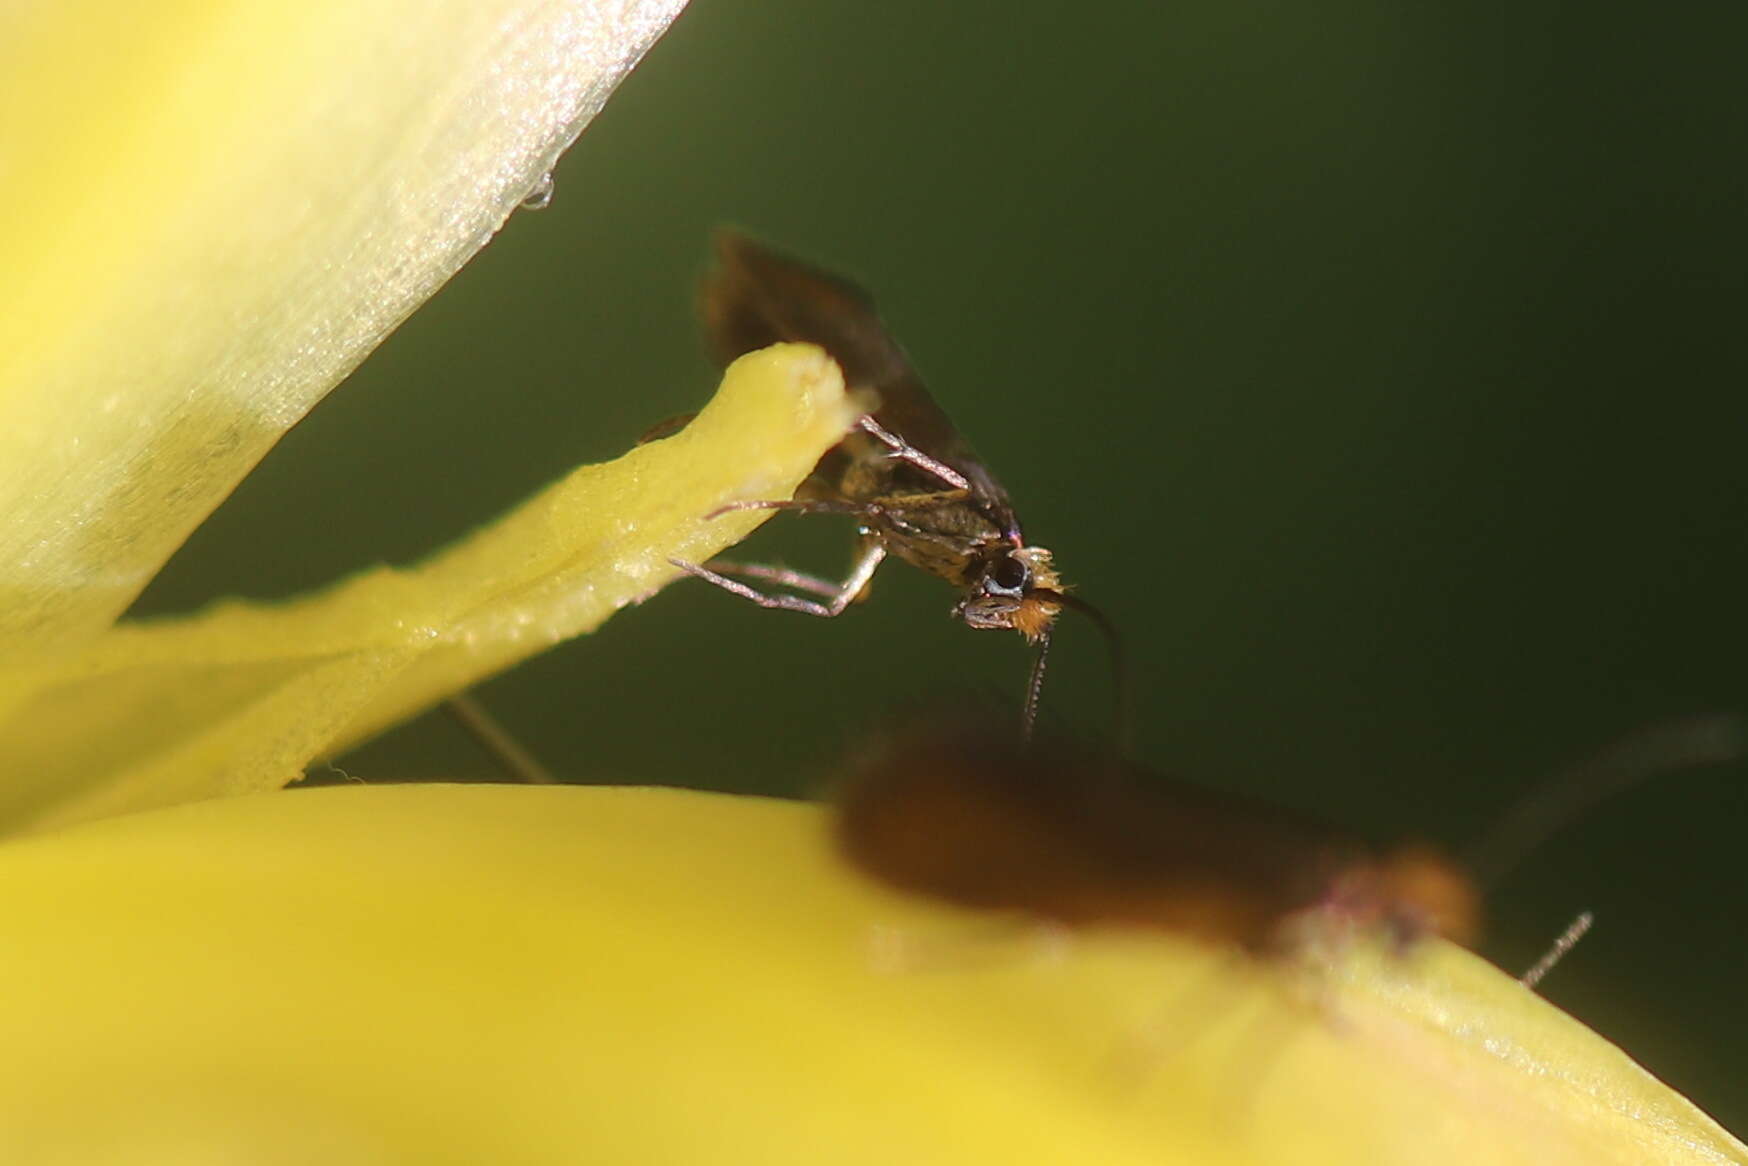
<point>1406,895</point>
<point>1015,587</point>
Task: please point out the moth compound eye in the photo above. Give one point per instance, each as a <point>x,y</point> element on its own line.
<point>1008,577</point>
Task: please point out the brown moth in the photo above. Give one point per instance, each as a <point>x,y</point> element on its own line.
<point>914,486</point>
<point>953,812</point>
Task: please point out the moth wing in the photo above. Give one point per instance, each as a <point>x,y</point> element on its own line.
<point>755,297</point>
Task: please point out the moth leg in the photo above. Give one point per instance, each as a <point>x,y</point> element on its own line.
<point>1167,1031</point>
<point>782,576</point>
<point>896,950</point>
<point>905,451</point>
<point>842,595</point>
<point>490,734</point>
<point>904,503</point>
<point>801,506</point>
<point>666,427</point>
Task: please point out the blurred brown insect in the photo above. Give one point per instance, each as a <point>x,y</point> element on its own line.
<point>1075,839</point>
<point>905,474</point>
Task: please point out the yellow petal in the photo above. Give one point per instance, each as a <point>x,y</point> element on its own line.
<point>209,214</point>
<point>492,974</point>
<point>242,696</point>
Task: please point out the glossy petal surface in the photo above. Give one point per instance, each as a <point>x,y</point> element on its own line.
<point>467,974</point>
<point>209,214</point>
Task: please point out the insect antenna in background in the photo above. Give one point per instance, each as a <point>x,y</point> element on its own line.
<point>1563,943</point>
<point>1556,802</point>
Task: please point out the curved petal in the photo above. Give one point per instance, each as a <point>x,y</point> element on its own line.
<point>561,974</point>
<point>210,213</point>
<point>242,696</point>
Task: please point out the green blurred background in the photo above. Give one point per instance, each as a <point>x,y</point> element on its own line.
<point>1378,366</point>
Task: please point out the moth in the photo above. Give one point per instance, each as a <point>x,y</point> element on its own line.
<point>956,813</point>
<point>914,486</point>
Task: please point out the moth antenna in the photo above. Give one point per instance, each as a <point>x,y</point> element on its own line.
<point>1568,939</point>
<point>1122,686</point>
<point>1035,688</point>
<point>1550,807</point>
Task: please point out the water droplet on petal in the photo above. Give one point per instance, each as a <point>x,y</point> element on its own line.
<point>539,195</point>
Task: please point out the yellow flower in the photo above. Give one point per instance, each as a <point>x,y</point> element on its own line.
<point>209,214</point>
